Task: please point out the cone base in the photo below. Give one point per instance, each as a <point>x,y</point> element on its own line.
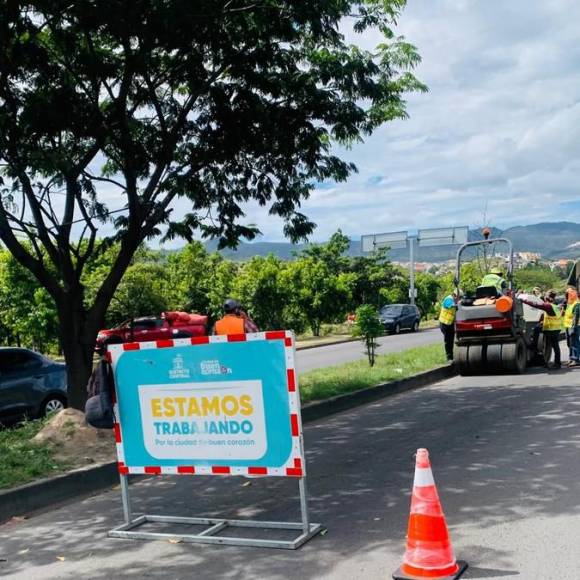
<point>399,575</point>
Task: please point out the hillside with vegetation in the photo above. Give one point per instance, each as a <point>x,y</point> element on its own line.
<point>552,240</point>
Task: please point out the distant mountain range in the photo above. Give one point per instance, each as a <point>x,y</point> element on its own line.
<point>551,240</point>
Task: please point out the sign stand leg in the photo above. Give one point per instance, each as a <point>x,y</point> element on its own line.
<point>126,499</point>
<point>304,505</point>
<point>213,526</point>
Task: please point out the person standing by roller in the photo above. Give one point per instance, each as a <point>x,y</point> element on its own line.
<point>447,322</point>
<point>552,326</point>
<point>572,324</point>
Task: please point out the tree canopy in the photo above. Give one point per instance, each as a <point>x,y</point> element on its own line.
<point>111,112</point>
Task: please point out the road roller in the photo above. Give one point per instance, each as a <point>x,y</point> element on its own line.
<point>494,332</point>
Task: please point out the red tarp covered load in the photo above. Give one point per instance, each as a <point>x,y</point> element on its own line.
<point>176,318</point>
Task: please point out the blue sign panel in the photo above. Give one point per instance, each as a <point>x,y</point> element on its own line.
<point>221,407</point>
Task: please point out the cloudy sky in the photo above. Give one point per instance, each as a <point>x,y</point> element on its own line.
<point>499,128</point>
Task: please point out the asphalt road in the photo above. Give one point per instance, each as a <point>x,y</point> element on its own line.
<point>505,453</point>
<point>335,354</point>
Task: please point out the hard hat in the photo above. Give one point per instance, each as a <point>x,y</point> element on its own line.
<point>497,271</point>
<point>448,302</point>
<point>231,305</point>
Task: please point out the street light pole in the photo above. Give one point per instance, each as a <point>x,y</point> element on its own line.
<point>412,269</point>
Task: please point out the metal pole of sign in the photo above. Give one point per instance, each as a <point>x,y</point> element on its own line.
<point>304,505</point>
<point>412,269</point>
<point>126,499</point>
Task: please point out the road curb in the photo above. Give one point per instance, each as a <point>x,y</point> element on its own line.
<point>311,346</point>
<point>320,409</point>
<point>87,480</point>
<point>46,492</point>
<point>351,339</point>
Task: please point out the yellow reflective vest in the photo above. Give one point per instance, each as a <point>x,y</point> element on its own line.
<point>569,314</point>
<point>553,322</point>
<point>447,315</point>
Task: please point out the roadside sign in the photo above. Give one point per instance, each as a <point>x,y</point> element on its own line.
<point>213,408</point>
<point>217,405</point>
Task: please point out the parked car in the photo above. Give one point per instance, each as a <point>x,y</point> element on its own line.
<point>396,317</point>
<point>31,384</point>
<point>168,325</point>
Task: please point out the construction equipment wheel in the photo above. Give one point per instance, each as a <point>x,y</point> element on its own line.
<point>515,356</point>
<point>494,358</point>
<point>460,360</point>
<point>476,358</point>
<point>469,359</point>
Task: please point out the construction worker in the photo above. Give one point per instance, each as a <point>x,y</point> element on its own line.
<point>495,278</point>
<point>447,322</point>
<point>235,320</point>
<point>571,323</point>
<point>552,326</point>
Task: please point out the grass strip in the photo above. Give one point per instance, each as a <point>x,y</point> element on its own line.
<point>324,383</point>
<point>21,460</point>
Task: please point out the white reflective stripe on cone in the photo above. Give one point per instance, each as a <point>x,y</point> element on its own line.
<point>423,477</point>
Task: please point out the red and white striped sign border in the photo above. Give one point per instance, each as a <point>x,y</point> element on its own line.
<point>295,467</point>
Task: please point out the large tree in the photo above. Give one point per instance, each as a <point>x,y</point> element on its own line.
<point>113,110</point>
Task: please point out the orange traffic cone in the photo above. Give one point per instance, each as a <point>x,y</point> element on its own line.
<point>429,552</point>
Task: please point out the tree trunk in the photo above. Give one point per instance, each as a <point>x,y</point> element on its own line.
<point>79,365</point>
<point>315,327</point>
<point>78,335</point>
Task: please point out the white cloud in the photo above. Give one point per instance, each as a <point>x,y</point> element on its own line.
<point>500,125</point>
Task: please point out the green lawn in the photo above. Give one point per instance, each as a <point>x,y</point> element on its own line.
<point>21,460</point>
<point>324,383</point>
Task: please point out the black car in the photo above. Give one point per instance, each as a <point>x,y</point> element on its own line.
<point>396,317</point>
<point>30,385</point>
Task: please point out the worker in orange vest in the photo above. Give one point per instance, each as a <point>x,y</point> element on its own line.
<point>235,320</point>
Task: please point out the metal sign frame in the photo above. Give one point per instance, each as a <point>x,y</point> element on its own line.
<point>295,467</point>
<point>447,236</point>
<point>443,236</point>
<point>392,240</point>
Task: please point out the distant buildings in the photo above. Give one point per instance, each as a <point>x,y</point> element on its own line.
<point>521,260</point>
<point>561,264</point>
<point>419,266</point>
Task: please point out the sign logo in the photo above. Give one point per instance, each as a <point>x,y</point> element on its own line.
<point>179,371</point>
<point>213,368</point>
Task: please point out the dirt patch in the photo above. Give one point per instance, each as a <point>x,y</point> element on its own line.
<point>74,441</point>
